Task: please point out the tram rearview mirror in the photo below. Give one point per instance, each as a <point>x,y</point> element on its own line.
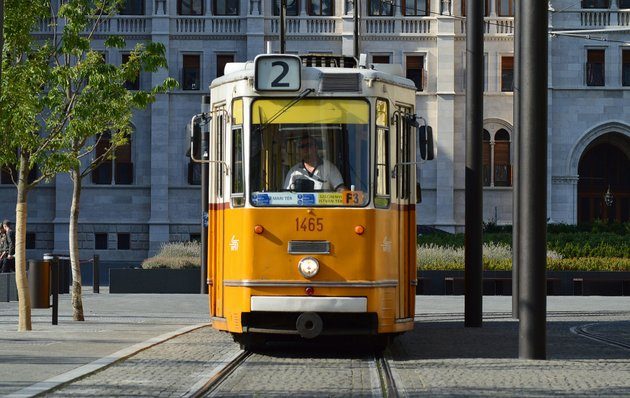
<point>425,142</point>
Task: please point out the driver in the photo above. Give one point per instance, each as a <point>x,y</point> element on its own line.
<point>324,174</point>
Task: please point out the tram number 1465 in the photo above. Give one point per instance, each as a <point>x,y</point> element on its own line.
<point>310,224</point>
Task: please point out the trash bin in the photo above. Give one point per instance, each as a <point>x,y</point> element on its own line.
<point>62,262</point>
<point>39,283</point>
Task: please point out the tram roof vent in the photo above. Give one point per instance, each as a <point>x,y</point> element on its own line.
<point>344,82</point>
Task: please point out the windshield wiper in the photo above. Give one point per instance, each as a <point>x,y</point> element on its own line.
<point>285,108</point>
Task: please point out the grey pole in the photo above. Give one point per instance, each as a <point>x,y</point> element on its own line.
<point>356,29</point>
<point>533,182</point>
<point>516,156</point>
<point>474,184</point>
<point>205,171</point>
<point>283,18</point>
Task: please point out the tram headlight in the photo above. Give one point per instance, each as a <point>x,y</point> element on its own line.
<point>308,267</point>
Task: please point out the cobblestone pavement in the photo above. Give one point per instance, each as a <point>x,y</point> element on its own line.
<point>166,370</point>
<point>441,358</point>
<point>304,372</point>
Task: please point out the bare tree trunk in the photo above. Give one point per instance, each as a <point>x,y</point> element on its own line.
<point>77,301</point>
<point>24,296</point>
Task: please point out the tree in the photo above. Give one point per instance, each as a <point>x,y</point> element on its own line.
<point>62,97</point>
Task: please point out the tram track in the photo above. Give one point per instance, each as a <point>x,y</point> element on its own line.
<point>386,377</point>
<point>384,383</point>
<point>583,331</point>
<point>219,375</point>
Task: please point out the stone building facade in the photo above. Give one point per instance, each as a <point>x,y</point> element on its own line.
<point>149,196</point>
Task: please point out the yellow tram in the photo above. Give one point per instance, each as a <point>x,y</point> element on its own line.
<point>312,193</point>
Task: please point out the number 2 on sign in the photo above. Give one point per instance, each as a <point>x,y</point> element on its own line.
<point>309,224</point>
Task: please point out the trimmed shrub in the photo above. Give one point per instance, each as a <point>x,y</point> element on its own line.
<point>175,255</point>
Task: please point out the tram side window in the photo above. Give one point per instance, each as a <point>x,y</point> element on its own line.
<point>382,183</point>
<point>220,129</point>
<point>238,184</point>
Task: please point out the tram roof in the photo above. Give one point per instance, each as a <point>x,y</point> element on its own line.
<point>387,73</point>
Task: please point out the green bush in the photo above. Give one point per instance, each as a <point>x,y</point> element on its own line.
<point>175,255</point>
<point>498,257</point>
<point>568,241</point>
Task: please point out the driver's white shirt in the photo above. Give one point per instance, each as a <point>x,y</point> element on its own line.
<point>325,177</point>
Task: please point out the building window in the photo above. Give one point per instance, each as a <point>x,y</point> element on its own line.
<point>596,4</point>
<point>190,7</point>
<point>624,4</point>
<point>132,7</point>
<point>321,7</point>
<point>8,174</point>
<point>415,70</point>
<point>505,8</point>
<point>502,166</point>
<point>380,8</point>
<point>31,239</point>
<point>486,8</point>
<point>293,7</point>
<point>119,170</point>
<point>225,7</point>
<point>194,237</point>
<point>222,60</point>
<point>595,67</point>
<point>625,67</point>
<point>380,59</point>
<point>191,72</point>
<point>100,241</point>
<point>415,8</point>
<point>194,168</point>
<point>124,241</point>
<point>133,84</point>
<point>507,74</point>
<point>486,161</point>
<point>496,165</point>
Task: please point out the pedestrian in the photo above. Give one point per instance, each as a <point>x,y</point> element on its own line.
<point>7,262</point>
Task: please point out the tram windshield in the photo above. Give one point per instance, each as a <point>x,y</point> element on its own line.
<point>313,153</point>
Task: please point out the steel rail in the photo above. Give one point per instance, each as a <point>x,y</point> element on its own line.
<point>387,381</point>
<point>581,331</point>
<point>219,376</point>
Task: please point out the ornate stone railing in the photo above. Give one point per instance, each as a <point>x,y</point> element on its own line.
<point>492,26</point>
<point>595,17</point>
<point>416,26</point>
<point>305,25</point>
<point>208,25</point>
<point>591,19</point>
<point>379,25</point>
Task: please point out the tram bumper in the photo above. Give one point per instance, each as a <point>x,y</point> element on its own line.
<point>309,317</point>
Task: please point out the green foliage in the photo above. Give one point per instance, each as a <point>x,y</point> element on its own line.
<point>176,255</point>
<point>57,92</point>
<point>597,240</point>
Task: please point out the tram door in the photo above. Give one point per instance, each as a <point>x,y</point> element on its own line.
<point>406,258</point>
<point>216,215</point>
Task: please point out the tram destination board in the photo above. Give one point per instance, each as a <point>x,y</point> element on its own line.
<point>277,72</point>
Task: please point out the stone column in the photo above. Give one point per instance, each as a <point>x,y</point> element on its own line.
<point>445,123</point>
<point>159,149</point>
<point>256,29</point>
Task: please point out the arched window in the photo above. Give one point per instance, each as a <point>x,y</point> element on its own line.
<point>487,161</point>
<point>502,166</point>
<point>497,166</point>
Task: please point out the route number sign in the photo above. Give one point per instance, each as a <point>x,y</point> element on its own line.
<point>277,72</point>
